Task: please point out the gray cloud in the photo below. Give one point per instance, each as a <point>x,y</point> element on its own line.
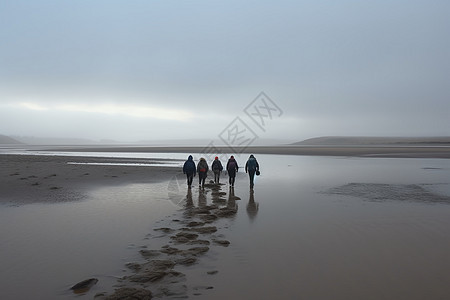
<point>334,67</point>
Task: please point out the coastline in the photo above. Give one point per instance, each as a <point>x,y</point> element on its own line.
<point>410,151</point>
<point>28,178</point>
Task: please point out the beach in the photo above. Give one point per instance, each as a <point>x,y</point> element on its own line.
<point>342,226</point>
<point>42,178</point>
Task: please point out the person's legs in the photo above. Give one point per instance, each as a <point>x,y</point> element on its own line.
<point>201,178</point>
<point>216,176</point>
<point>232,177</point>
<point>251,174</point>
<point>189,179</point>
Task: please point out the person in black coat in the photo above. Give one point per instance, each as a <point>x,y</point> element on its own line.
<point>232,169</point>
<point>217,168</point>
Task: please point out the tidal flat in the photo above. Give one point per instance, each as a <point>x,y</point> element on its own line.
<point>312,228</point>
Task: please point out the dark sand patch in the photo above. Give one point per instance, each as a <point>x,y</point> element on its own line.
<point>128,293</point>
<point>84,286</point>
<point>389,192</point>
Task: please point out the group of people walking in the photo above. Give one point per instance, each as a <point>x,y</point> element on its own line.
<point>202,168</point>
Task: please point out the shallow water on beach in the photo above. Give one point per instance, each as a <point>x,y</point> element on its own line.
<point>304,234</point>
<point>314,228</point>
<point>47,248</point>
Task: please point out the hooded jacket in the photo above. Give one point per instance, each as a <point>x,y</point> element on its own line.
<point>189,166</point>
<point>232,166</point>
<point>252,164</point>
<point>217,165</point>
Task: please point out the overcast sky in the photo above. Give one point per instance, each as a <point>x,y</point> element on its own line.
<point>141,70</point>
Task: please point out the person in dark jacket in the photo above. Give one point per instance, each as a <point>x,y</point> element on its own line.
<point>217,168</point>
<point>202,169</point>
<point>251,167</point>
<point>189,170</point>
<point>232,169</point>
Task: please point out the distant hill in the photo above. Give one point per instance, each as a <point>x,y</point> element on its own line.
<point>8,140</point>
<point>361,140</point>
<point>205,142</point>
<point>31,140</point>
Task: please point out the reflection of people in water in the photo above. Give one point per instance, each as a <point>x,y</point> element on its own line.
<point>252,206</point>
<point>231,204</point>
<point>189,201</point>
<point>201,198</point>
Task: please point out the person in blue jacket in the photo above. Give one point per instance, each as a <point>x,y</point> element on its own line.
<point>251,167</point>
<point>189,169</point>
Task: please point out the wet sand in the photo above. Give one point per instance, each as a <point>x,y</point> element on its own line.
<point>29,179</point>
<point>62,223</point>
<point>314,228</point>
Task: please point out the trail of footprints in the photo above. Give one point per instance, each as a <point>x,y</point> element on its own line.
<point>157,276</point>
